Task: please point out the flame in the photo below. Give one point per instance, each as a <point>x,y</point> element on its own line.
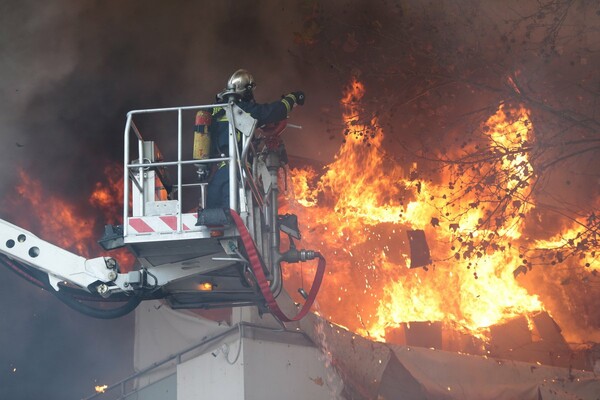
<point>108,196</point>
<point>359,211</point>
<point>100,388</point>
<point>205,286</point>
<point>53,217</point>
<point>66,223</point>
<point>359,172</point>
<point>576,238</point>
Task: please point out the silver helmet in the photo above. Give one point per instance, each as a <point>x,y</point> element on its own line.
<point>241,82</point>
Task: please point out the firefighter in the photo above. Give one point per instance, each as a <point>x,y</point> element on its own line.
<point>241,86</point>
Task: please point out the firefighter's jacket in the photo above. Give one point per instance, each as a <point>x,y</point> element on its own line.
<point>263,113</point>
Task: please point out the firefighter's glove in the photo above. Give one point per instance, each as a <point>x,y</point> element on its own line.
<point>299,97</point>
<point>203,172</point>
<point>291,99</point>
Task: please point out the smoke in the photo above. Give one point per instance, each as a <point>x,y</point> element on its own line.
<point>72,70</point>
<point>34,60</point>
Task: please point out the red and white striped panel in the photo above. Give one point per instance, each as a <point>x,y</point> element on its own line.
<point>161,224</point>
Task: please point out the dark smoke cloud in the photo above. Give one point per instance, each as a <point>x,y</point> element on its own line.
<point>73,70</point>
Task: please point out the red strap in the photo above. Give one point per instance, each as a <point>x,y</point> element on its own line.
<point>255,263</point>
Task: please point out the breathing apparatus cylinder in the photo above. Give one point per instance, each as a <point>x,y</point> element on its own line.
<point>201,135</point>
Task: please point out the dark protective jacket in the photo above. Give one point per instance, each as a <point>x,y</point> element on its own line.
<point>263,113</point>
<point>218,185</point>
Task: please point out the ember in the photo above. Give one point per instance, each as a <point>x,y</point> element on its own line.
<point>101,388</point>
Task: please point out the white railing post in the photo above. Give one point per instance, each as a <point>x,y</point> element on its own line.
<point>126,175</point>
<point>233,193</point>
<point>179,183</point>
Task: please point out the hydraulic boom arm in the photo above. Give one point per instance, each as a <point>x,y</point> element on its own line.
<point>60,264</point>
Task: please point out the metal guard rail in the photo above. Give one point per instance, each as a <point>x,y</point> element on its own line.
<point>245,175</point>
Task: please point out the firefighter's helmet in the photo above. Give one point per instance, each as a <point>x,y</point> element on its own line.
<point>241,82</point>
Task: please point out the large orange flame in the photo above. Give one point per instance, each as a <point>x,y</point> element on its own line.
<point>358,213</point>
<point>52,217</point>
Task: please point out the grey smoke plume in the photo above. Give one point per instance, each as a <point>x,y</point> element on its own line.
<point>71,71</point>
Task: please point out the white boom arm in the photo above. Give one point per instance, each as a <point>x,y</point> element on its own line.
<point>60,265</point>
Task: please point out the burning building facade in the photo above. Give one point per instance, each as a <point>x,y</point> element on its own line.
<point>363,205</point>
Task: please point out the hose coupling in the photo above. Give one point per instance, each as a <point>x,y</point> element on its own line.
<point>306,255</point>
<point>294,256</point>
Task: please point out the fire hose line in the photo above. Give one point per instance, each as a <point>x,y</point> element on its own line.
<point>72,300</point>
<point>263,283</point>
<point>21,272</point>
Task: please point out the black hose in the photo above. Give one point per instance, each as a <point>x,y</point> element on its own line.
<point>40,279</point>
<point>79,294</point>
<point>95,312</point>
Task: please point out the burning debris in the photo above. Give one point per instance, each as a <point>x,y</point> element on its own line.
<point>101,388</point>
<point>419,250</point>
<point>363,201</point>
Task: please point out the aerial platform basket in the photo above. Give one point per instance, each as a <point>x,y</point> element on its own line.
<point>203,265</point>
